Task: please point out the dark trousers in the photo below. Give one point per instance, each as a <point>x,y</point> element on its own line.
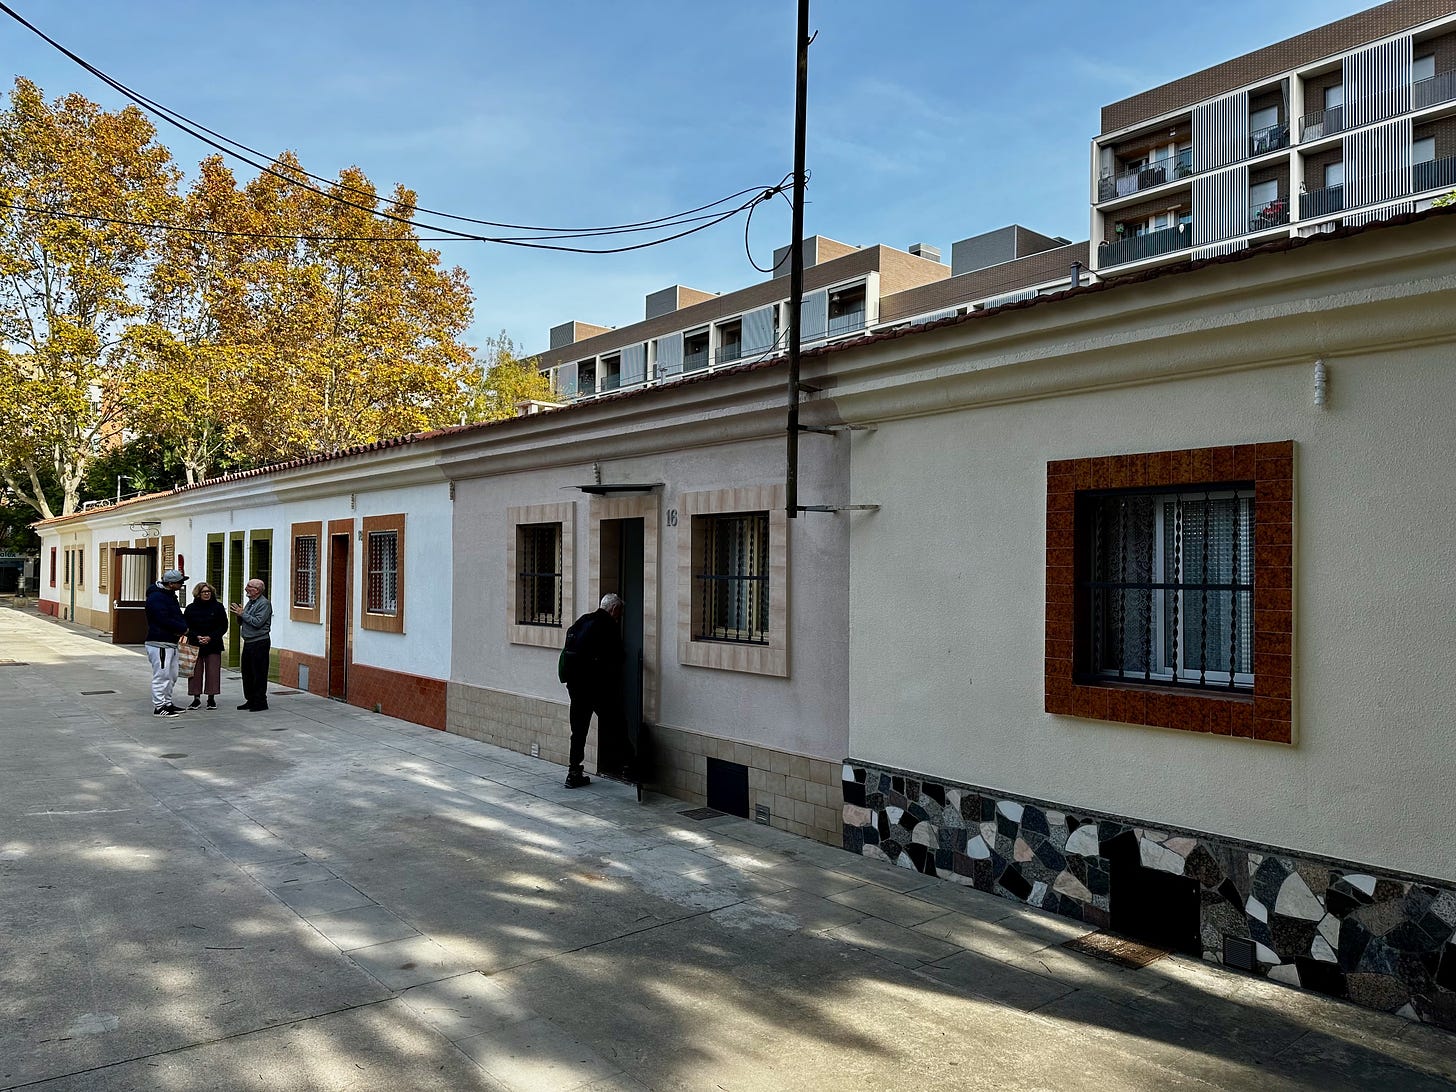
<point>607,705</point>
<point>255,672</point>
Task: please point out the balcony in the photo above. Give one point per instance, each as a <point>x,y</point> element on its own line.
<point>1440,88</point>
<point>1317,203</point>
<point>730,353</point>
<point>1121,184</point>
<point>1269,139</point>
<point>1322,123</point>
<point>1149,245</point>
<point>1434,174</point>
<point>847,323</point>
<point>1274,214</point>
<point>695,361</point>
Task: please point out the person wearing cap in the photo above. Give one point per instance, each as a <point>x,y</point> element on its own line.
<point>255,622</point>
<point>165,627</point>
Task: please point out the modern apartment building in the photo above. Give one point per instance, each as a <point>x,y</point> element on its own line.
<point>1351,122</point>
<point>848,291</point>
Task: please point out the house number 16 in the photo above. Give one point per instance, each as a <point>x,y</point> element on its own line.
<point>672,517</point>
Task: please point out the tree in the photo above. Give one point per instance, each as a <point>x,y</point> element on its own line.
<point>351,334</point>
<point>1445,200</point>
<point>506,381</point>
<point>65,282</point>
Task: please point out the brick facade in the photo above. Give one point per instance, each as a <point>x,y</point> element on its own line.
<point>413,698</point>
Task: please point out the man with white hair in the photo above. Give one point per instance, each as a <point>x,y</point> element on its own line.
<point>591,668</point>
<point>255,622</point>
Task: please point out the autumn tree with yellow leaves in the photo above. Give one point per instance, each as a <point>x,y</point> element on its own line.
<point>66,284</point>
<point>260,323</point>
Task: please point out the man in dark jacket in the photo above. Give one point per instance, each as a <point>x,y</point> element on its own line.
<point>165,627</point>
<point>592,671</point>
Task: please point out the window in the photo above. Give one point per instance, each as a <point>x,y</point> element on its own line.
<point>1170,586</point>
<point>538,578</point>
<point>1169,589</point>
<point>306,572</point>
<point>53,566</point>
<point>1263,119</point>
<point>611,372</point>
<point>730,341</point>
<point>731,578</point>
<point>586,378</point>
<point>80,568</point>
<point>383,572</point>
<point>1423,150</point>
<point>1335,97</point>
<point>1334,175</point>
<point>847,309</point>
<point>103,566</point>
<point>384,585</point>
<point>1423,68</point>
<point>1262,193</point>
<point>539,562</point>
<point>260,560</point>
<point>695,351</point>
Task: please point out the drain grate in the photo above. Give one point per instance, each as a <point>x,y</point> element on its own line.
<point>1115,949</point>
<point>283,693</point>
<point>702,813</point>
<point>93,693</point>
<point>14,663</point>
<point>174,754</point>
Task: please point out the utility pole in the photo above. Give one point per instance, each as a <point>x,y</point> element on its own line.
<point>796,260</point>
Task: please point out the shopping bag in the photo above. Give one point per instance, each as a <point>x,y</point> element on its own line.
<point>186,660</point>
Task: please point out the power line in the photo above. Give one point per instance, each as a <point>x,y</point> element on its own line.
<point>197,131</point>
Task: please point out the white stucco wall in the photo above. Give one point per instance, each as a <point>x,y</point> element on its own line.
<point>948,595</point>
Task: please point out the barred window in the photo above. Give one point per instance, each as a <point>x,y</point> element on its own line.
<point>305,571</point>
<point>1171,586</point>
<point>383,572</point>
<point>731,577</point>
<point>538,579</point>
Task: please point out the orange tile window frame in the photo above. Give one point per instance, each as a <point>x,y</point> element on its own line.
<point>1267,714</point>
<point>315,531</point>
<point>384,623</point>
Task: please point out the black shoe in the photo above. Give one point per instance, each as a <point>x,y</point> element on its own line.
<point>195,703</point>
<point>257,708</point>
<point>245,705</point>
<point>172,707</point>
<point>575,779</point>
<point>164,711</point>
<point>211,704</point>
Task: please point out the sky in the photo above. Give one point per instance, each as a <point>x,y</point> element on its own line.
<point>928,120</point>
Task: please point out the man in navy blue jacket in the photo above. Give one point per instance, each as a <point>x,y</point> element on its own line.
<point>165,627</point>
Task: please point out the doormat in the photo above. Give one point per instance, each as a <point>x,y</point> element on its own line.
<point>702,813</point>
<point>1115,949</point>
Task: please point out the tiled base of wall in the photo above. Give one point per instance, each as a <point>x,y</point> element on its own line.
<point>1378,938</point>
<point>413,698</point>
<point>48,606</point>
<point>802,794</point>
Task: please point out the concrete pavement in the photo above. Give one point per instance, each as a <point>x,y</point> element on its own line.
<point>317,897</point>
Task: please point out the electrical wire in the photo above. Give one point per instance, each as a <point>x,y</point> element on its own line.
<point>197,131</point>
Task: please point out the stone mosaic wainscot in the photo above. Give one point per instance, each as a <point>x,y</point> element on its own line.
<point>1379,939</point>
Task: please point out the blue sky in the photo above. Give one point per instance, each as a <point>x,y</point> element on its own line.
<point>928,121</point>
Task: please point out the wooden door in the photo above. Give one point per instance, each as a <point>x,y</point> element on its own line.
<point>133,572</point>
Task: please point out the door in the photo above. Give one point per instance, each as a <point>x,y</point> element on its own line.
<point>629,587</point>
<point>340,595</point>
<point>234,595</point>
<point>133,572</point>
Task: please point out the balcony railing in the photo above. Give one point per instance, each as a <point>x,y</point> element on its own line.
<point>1322,123</point>
<point>1321,202</point>
<point>1275,213</point>
<point>1440,88</point>
<point>1120,184</point>
<point>1434,174</point>
<point>1149,245</point>
<point>847,322</point>
<point>1269,139</point>
<point>694,362</point>
<point>728,354</point>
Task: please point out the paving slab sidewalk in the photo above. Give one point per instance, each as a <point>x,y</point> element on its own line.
<point>320,897</point>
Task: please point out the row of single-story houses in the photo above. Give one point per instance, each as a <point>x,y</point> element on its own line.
<point>1149,625</point>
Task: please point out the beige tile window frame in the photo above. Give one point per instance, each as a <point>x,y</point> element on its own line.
<point>769,659</point>
<point>648,509</point>
<point>564,515</point>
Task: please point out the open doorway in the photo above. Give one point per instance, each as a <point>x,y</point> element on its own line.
<point>341,585</point>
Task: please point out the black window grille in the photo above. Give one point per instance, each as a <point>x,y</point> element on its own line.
<point>538,576</point>
<point>732,578</point>
<point>1171,586</point>
<point>383,573</point>
<point>305,571</point>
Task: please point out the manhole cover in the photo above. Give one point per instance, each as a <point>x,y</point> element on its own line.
<point>93,693</point>
<point>174,754</point>
<point>702,813</point>
<point>1119,950</point>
